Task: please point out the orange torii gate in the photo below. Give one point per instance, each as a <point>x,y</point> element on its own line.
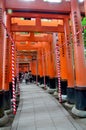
<point>38,22</point>
<point>79,86</point>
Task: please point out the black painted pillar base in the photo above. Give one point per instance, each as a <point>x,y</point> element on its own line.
<point>34,77</point>
<point>52,83</point>
<point>80,98</point>
<point>10,89</point>
<point>7,100</point>
<point>47,80</point>
<point>1,103</point>
<point>64,87</point>
<point>41,80</point>
<point>56,82</point>
<point>71,95</point>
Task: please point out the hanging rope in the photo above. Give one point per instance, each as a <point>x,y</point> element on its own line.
<point>58,72</point>
<point>13,68</point>
<point>13,79</point>
<point>36,71</point>
<point>18,87</point>
<point>43,70</point>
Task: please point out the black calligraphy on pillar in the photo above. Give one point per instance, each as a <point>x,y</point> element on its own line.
<point>7,63</point>
<point>1,48</point>
<point>68,46</point>
<point>0,23</point>
<point>76,28</point>
<point>62,42</point>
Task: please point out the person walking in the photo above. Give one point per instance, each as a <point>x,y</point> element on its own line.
<point>26,77</point>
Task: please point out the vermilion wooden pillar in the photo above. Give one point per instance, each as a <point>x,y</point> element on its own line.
<point>33,68</point>
<point>63,63</point>
<point>40,66</point>
<point>79,57</point>
<point>51,67</point>
<point>1,64</point>
<point>46,63</point>
<point>7,94</point>
<point>43,65</point>
<point>70,68</point>
<point>9,55</point>
<point>85,7</point>
<point>10,52</point>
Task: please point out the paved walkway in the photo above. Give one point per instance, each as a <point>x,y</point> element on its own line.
<point>39,110</point>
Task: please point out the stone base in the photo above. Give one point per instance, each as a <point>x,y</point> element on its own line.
<point>34,82</point>
<point>64,97</point>
<point>69,105</point>
<point>4,120</point>
<point>55,93</point>
<point>38,84</point>
<point>78,113</point>
<point>50,90</point>
<point>8,111</point>
<point>42,86</point>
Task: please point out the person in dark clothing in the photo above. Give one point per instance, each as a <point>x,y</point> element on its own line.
<point>30,76</point>
<point>26,77</point>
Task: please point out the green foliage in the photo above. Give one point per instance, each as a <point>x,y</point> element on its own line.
<point>84,32</point>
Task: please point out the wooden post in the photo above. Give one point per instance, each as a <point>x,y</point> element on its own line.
<point>79,57</point>
<point>47,64</point>
<point>40,70</point>
<point>51,67</point>
<point>1,66</point>
<point>43,65</point>
<point>63,63</point>
<point>70,64</point>
<point>85,7</point>
<point>7,94</point>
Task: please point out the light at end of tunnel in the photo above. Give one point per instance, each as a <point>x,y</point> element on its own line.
<point>53,1</point>
<point>9,11</point>
<point>28,0</point>
<point>81,0</point>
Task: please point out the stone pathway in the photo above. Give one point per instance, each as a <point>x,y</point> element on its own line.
<point>39,110</point>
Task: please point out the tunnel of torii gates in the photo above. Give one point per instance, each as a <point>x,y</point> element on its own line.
<point>53,50</point>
